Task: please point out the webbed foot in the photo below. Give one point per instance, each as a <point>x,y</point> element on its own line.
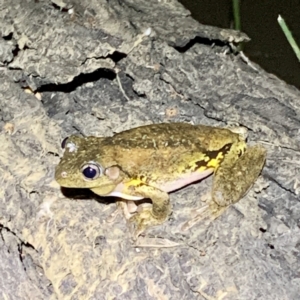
<point>143,220</point>
<point>210,211</point>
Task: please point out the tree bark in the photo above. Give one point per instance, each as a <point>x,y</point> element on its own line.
<point>99,67</point>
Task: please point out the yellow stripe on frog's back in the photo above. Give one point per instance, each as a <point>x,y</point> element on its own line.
<point>200,162</point>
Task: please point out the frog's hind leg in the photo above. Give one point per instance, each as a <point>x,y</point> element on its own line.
<point>232,180</point>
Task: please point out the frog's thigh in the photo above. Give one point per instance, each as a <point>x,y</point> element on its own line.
<point>232,182</point>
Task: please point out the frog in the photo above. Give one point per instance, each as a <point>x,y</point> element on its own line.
<point>151,161</point>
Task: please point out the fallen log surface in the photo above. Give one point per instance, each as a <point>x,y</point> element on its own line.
<point>100,67</point>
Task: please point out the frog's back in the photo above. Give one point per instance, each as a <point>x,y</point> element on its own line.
<point>154,148</point>
<point>156,135</point>
<point>174,135</point>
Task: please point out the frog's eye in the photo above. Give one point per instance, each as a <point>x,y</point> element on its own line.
<point>91,171</point>
<point>64,142</point>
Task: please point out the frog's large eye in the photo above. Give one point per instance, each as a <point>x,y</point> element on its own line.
<point>91,171</point>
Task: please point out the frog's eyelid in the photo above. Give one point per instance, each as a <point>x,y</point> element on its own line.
<point>92,162</point>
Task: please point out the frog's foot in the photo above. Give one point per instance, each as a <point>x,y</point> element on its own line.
<point>127,207</point>
<point>148,216</point>
<point>209,212</point>
<point>143,220</point>
<point>112,217</point>
<point>155,242</point>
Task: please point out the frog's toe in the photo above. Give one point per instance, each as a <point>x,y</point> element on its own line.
<point>209,212</point>
<point>142,220</point>
<point>197,216</point>
<point>139,223</point>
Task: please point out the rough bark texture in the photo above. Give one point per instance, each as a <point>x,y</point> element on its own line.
<point>97,74</point>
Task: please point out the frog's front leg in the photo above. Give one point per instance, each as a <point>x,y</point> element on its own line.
<point>149,216</point>
<point>233,179</point>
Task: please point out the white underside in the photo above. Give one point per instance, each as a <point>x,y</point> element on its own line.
<point>167,187</point>
<point>124,196</point>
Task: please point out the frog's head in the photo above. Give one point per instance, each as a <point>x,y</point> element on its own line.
<point>81,166</point>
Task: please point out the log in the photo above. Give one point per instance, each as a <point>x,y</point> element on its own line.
<point>100,67</point>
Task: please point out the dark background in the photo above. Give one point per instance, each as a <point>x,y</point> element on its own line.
<point>268,46</point>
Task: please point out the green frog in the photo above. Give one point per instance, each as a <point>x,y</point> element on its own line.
<point>153,160</point>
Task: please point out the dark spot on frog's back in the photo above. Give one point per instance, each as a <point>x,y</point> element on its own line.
<point>199,164</point>
<point>212,155</point>
<point>224,150</point>
<point>146,178</point>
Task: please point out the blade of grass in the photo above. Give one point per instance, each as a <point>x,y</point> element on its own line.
<point>289,36</point>
<point>236,14</point>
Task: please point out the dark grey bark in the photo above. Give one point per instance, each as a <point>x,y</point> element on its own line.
<point>98,74</point>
